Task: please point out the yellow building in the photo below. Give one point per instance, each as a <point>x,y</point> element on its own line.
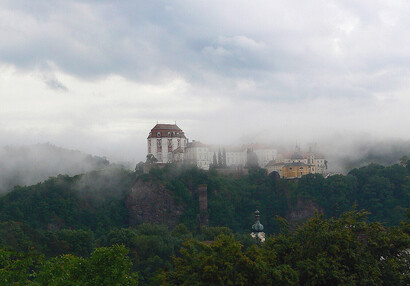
<point>296,170</point>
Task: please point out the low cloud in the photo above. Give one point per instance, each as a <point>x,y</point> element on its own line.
<point>97,75</point>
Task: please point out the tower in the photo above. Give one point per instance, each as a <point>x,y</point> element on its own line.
<point>163,140</point>
<point>257,228</point>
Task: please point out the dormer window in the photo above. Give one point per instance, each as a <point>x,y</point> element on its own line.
<point>158,134</point>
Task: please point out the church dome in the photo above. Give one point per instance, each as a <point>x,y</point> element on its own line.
<point>297,155</point>
<point>257,226</point>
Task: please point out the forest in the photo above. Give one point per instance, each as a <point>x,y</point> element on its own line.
<point>356,230</point>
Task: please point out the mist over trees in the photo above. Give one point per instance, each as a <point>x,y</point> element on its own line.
<point>28,165</point>
<point>345,152</point>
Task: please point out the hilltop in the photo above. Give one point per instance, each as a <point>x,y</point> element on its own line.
<point>31,164</point>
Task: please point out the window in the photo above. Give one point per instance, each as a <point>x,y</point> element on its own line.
<point>169,134</point>
<point>290,168</point>
<point>158,134</point>
<point>301,168</point>
<point>159,145</point>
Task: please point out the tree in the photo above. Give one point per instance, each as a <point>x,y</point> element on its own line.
<point>220,159</point>
<point>220,263</point>
<point>105,266</point>
<point>139,168</point>
<point>16,268</point>
<point>251,159</point>
<point>214,161</point>
<point>343,251</point>
<point>224,158</point>
<point>151,159</point>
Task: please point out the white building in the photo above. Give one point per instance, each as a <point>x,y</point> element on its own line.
<point>167,143</point>
<point>163,140</point>
<point>198,154</point>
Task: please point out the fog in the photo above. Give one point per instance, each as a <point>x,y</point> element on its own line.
<point>96,76</point>
<point>31,164</point>
<point>28,165</point>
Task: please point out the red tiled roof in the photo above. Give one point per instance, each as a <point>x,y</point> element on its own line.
<point>159,127</point>
<point>166,130</point>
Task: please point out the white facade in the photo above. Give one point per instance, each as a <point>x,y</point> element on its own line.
<point>163,140</point>
<point>202,156</point>
<point>198,154</point>
<point>265,156</point>
<point>237,158</point>
<point>167,143</point>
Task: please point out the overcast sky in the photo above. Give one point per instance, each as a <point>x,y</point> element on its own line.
<point>97,75</point>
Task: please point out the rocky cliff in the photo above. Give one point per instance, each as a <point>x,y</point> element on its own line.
<point>301,211</point>
<point>152,203</point>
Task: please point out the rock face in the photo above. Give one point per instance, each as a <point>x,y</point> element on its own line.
<point>301,212</point>
<point>152,203</point>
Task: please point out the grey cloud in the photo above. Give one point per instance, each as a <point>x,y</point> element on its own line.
<point>282,66</point>
<point>150,40</point>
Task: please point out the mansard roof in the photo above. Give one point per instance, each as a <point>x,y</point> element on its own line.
<point>166,130</point>
<point>172,127</point>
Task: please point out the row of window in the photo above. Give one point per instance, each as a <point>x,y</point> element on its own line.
<point>301,168</point>
<point>169,133</point>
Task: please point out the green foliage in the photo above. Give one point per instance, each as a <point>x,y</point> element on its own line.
<point>16,267</point>
<point>77,242</point>
<point>76,214</point>
<point>220,263</point>
<point>151,246</point>
<point>344,251</point>
<point>105,266</point>
<point>93,200</point>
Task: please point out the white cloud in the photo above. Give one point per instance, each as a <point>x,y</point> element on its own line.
<point>96,75</point>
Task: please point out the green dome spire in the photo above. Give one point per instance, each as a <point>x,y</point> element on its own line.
<point>257,226</point>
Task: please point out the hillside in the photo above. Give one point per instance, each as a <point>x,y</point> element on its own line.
<point>115,197</point>
<point>152,214</point>
<point>28,165</point>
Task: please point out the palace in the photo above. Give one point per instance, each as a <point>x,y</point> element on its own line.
<point>163,140</point>
<point>298,164</point>
<point>167,144</point>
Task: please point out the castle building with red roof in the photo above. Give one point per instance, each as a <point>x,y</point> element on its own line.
<point>167,143</point>
<point>163,140</point>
